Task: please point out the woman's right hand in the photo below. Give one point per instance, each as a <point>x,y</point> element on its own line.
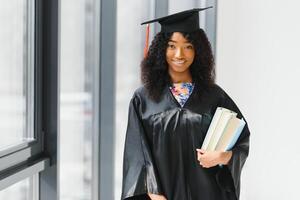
<point>156,197</point>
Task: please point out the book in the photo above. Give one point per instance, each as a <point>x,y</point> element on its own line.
<point>224,130</point>
<point>236,135</point>
<point>212,127</point>
<point>230,134</point>
<point>217,125</point>
<point>226,115</point>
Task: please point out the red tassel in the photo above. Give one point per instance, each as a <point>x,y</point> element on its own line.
<point>146,41</point>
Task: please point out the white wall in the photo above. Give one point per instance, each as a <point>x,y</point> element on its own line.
<point>258,45</point>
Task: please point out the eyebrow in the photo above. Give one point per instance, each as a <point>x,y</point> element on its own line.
<point>176,42</point>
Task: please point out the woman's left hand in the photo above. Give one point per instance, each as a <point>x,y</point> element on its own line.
<point>209,159</point>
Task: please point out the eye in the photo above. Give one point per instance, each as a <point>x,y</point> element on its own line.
<point>189,47</point>
<point>171,46</point>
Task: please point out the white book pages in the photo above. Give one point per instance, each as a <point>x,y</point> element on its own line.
<point>222,122</point>
<point>228,134</point>
<point>213,125</point>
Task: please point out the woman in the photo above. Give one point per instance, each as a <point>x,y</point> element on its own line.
<point>169,117</point>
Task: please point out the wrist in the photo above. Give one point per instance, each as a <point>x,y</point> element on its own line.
<point>225,157</point>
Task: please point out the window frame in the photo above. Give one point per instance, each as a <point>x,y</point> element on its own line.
<point>27,159</point>
<point>34,144</point>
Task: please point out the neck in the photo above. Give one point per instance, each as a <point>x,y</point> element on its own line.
<point>181,77</point>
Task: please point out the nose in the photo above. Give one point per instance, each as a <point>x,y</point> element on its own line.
<point>179,53</point>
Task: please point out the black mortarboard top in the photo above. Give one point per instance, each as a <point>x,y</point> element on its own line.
<point>185,21</point>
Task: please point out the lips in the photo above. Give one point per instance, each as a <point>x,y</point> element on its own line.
<point>178,62</point>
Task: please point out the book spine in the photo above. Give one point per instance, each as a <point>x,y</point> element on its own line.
<point>236,135</point>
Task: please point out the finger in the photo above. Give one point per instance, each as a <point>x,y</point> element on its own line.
<point>203,165</point>
<point>198,156</point>
<point>202,151</point>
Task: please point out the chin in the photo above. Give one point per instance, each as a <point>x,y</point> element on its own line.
<point>179,69</point>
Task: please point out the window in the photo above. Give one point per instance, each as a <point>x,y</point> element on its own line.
<point>16,73</point>
<point>22,190</point>
<point>20,128</point>
<point>51,73</point>
<point>79,88</point>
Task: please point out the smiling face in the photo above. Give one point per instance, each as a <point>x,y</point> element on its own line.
<point>180,55</point>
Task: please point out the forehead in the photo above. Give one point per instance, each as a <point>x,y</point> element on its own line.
<point>178,37</point>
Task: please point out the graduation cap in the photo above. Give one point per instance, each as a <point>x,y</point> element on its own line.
<point>185,21</point>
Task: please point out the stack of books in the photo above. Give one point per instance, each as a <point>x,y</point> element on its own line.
<point>224,130</point>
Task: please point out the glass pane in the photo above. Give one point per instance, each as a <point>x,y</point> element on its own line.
<point>15,72</point>
<point>130,35</point>
<point>78,67</point>
<point>23,190</point>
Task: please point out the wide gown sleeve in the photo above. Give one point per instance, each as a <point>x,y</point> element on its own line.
<point>139,176</point>
<point>229,176</point>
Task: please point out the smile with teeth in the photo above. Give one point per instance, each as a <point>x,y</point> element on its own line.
<point>178,62</point>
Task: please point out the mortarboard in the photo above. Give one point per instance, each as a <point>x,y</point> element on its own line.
<point>185,21</point>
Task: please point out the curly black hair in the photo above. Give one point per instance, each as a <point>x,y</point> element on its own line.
<point>154,68</point>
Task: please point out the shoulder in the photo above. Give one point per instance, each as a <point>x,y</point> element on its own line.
<point>140,92</point>
<point>139,96</point>
<point>224,100</point>
<point>219,94</point>
<point>216,91</point>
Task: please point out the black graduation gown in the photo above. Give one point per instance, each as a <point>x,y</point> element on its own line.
<point>160,148</point>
